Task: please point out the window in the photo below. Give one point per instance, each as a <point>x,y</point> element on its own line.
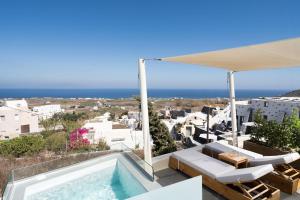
<point>266,104</point>
<point>266,117</point>
<point>25,128</point>
<point>2,117</point>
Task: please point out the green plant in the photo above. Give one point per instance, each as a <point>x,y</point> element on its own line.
<point>294,122</point>
<point>56,142</point>
<point>283,135</point>
<point>20,146</point>
<point>162,140</point>
<point>258,132</point>
<point>102,145</point>
<point>50,124</point>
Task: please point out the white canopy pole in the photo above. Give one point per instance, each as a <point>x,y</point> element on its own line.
<point>233,108</point>
<point>144,107</point>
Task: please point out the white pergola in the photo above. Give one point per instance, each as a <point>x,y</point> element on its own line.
<point>278,54</point>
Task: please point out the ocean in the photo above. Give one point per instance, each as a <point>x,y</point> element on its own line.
<point>126,93</point>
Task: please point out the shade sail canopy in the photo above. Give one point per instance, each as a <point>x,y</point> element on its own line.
<point>278,54</point>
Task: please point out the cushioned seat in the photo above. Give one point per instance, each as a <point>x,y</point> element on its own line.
<point>210,166</point>
<point>275,160</point>
<point>187,155</point>
<point>245,174</point>
<point>222,148</point>
<point>255,159</point>
<point>219,170</point>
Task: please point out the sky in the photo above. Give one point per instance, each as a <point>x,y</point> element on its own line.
<point>97,43</point>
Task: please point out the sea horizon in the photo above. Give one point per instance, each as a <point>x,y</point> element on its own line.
<point>115,93</point>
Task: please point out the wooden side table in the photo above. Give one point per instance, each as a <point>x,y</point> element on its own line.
<point>234,159</point>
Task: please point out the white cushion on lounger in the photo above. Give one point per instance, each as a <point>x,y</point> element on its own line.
<point>203,163</point>
<point>221,148</point>
<point>245,174</point>
<point>219,170</point>
<point>211,167</point>
<point>187,155</point>
<point>275,160</point>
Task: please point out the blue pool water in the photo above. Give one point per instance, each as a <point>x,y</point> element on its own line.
<point>113,183</point>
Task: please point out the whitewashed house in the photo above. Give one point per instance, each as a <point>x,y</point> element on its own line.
<point>101,128</point>
<point>272,108</point>
<point>18,104</point>
<point>47,111</point>
<point>16,118</point>
<point>134,115</point>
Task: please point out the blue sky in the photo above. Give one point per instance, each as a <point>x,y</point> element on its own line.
<point>96,44</point>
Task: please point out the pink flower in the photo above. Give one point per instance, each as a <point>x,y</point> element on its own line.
<point>77,139</point>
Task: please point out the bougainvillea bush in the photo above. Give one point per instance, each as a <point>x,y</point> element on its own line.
<point>77,140</point>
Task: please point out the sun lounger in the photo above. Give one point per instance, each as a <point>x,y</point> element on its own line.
<point>284,176</point>
<point>275,160</point>
<point>223,178</point>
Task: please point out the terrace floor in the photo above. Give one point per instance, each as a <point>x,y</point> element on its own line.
<point>169,176</point>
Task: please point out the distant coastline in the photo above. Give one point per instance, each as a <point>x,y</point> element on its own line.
<point>127,93</point>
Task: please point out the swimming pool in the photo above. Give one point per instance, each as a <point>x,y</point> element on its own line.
<point>106,180</point>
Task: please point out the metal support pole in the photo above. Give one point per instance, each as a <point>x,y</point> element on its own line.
<point>145,115</point>
<point>233,108</point>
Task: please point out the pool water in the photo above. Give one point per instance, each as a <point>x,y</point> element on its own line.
<point>112,183</point>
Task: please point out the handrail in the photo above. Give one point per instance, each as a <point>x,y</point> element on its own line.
<point>57,163</point>
<point>143,165</point>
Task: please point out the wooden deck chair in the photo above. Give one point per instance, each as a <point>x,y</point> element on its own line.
<point>284,177</point>
<point>226,180</point>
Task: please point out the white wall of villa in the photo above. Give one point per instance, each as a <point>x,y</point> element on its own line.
<point>16,119</point>
<point>272,108</point>
<point>18,104</point>
<point>101,128</point>
<point>47,111</point>
<point>197,119</point>
<point>134,115</point>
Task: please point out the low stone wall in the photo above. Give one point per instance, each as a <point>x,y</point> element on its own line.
<point>267,151</point>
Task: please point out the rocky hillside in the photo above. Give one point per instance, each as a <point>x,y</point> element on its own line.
<point>295,93</point>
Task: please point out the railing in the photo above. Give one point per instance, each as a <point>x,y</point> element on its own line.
<point>145,167</point>
<point>43,167</point>
<point>8,187</point>
<point>32,170</point>
<point>28,171</point>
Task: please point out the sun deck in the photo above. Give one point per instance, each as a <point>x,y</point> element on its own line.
<point>166,176</point>
<point>169,176</point>
<point>163,177</point>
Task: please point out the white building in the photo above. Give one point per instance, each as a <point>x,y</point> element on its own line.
<point>198,119</point>
<point>16,119</point>
<point>47,111</point>
<point>101,128</point>
<point>134,115</point>
<point>131,123</point>
<point>272,108</point>
<point>18,104</point>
